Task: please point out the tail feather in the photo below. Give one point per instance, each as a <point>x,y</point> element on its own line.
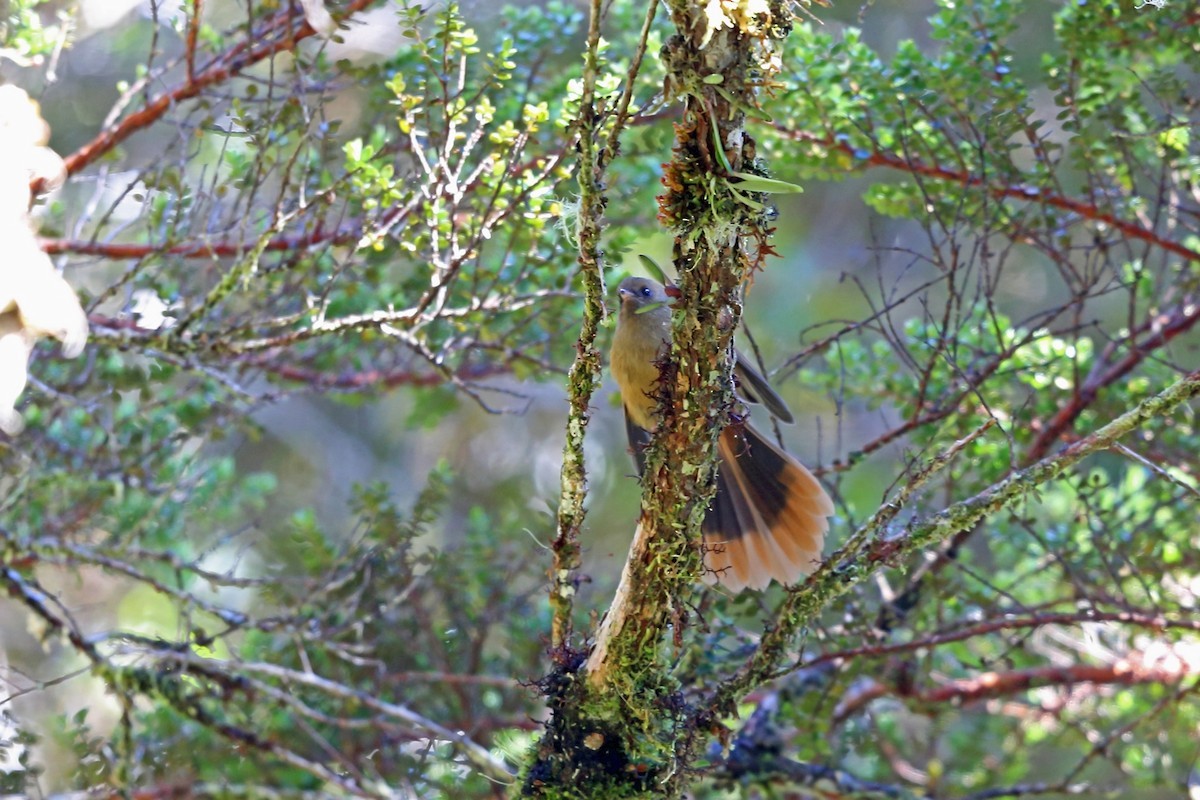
<point>722,516</point>
<point>768,519</point>
<point>751,556</point>
<point>745,554</point>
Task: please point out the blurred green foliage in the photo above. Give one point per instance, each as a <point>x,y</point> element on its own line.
<point>419,239</point>
<point>23,32</point>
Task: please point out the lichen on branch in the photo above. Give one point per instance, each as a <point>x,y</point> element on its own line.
<point>716,63</point>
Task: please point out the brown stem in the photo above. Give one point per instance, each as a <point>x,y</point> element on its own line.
<point>193,30</point>
<point>1032,194</point>
<point>1152,621</point>
<point>220,249</point>
<point>219,70</point>
<point>1129,671</point>
<point>1182,320</point>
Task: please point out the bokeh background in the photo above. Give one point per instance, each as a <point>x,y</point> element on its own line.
<point>836,257</point>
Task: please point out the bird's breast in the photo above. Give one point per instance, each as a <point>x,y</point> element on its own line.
<point>635,349</point>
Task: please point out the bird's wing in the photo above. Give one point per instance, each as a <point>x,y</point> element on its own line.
<point>754,387</point>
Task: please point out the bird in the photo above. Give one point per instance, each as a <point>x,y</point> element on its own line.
<point>769,516</point>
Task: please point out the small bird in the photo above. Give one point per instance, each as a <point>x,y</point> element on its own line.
<point>769,516</point>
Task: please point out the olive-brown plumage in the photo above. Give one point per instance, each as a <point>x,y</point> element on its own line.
<point>769,516</point>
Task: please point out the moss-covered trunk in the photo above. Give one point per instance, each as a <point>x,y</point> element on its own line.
<point>619,727</point>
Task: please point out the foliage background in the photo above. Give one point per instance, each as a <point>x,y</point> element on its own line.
<point>342,459</point>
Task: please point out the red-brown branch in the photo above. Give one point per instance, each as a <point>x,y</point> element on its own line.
<point>193,29</point>
<point>1183,320</point>
<point>1031,194</point>
<point>373,378</point>
<point>1152,621</point>
<point>220,69</point>
<point>219,249</point>
<point>999,684</point>
<point>1130,671</point>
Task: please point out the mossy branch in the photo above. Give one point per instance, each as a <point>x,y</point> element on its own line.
<point>585,371</point>
<point>713,224</point>
<point>620,716</point>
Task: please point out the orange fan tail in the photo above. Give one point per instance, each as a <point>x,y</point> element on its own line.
<point>769,517</point>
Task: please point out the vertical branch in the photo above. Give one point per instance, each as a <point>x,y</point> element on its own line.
<point>193,30</point>
<point>585,371</point>
<point>711,223</point>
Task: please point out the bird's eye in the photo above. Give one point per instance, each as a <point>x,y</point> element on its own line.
<point>646,291</point>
